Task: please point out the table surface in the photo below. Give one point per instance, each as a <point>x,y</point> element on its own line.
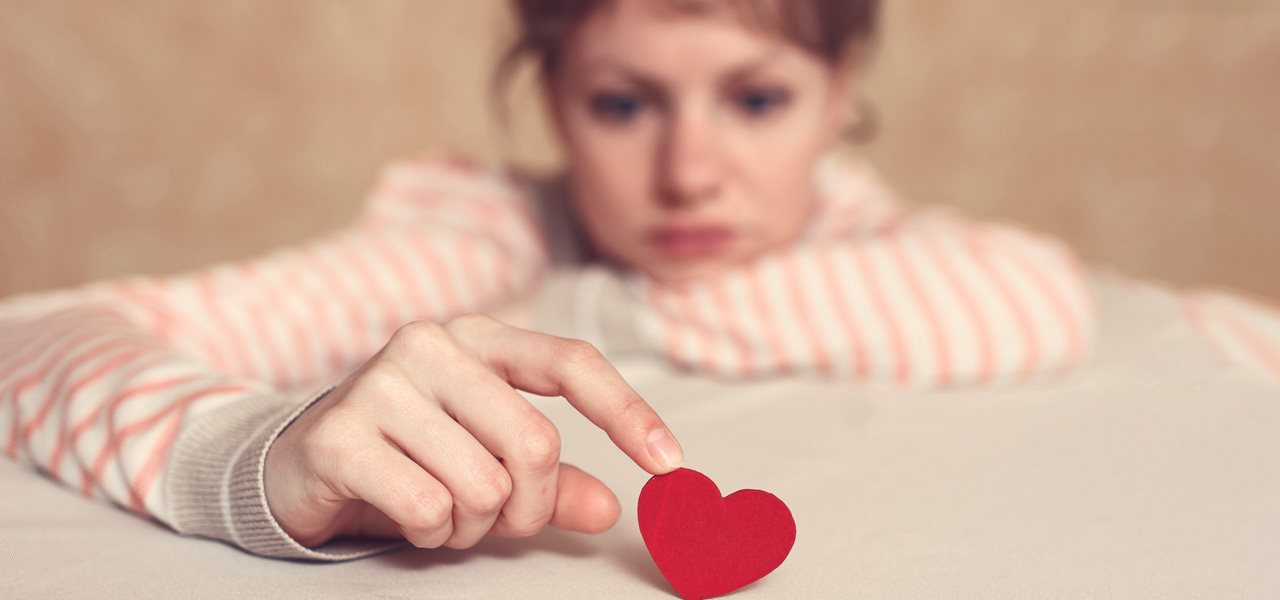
<point>1152,473</point>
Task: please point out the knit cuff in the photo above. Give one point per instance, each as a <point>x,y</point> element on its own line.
<point>217,489</point>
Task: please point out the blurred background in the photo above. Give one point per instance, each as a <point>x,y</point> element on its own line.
<point>154,136</point>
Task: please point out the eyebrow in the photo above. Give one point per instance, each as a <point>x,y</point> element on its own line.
<point>649,82</point>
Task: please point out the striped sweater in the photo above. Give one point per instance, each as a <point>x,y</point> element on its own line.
<point>163,394</point>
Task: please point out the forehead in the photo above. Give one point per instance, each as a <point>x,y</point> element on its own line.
<point>666,36</point>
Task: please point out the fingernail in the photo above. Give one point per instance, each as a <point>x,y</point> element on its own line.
<point>664,449</point>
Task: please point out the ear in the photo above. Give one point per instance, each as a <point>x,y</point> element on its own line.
<point>842,109</point>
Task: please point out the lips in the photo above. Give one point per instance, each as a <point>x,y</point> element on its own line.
<point>691,241</point>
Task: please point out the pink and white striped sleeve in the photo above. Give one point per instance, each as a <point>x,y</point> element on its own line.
<point>162,394</point>
<point>1245,331</point>
<point>902,299</point>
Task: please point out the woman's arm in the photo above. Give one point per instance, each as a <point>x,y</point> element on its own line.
<point>886,296</point>
<point>163,394</point>
<point>1245,331</point>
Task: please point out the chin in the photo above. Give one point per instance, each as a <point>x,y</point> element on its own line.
<point>669,271</point>
<point>679,273</point>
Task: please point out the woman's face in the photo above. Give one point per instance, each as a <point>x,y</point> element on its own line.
<point>692,138</point>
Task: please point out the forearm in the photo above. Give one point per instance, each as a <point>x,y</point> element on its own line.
<point>1245,332</point>
<point>96,404</point>
<point>114,386</point>
<point>929,303</point>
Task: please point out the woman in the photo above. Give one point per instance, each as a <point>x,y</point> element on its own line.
<point>725,237</point>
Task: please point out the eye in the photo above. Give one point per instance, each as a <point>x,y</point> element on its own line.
<point>761,102</point>
<point>616,107</point>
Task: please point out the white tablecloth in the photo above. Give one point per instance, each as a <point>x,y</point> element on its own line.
<point>1153,473</point>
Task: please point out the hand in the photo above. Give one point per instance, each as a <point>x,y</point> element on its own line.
<point>430,441</point>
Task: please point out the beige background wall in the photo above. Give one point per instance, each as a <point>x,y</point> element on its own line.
<point>156,136</point>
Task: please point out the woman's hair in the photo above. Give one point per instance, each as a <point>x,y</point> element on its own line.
<point>832,30</point>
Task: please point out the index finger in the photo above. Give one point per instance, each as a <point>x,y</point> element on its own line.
<point>548,365</point>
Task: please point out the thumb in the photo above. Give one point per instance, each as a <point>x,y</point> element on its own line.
<point>583,503</point>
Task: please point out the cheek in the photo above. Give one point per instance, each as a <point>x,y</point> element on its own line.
<point>784,192</point>
<point>609,207</point>
<point>780,158</point>
<point>610,170</point>
<point>611,161</point>
<point>610,188</point>
<point>788,216</point>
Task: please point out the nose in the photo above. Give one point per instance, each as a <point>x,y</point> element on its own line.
<point>691,170</point>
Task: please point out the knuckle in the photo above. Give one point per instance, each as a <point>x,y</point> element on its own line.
<point>524,526</point>
<point>578,355</point>
<point>416,335</point>
<point>636,410</point>
<point>426,539</point>
<point>470,321</point>
<point>539,443</point>
<point>426,510</point>
<point>490,491</point>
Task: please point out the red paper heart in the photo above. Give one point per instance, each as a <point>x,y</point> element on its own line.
<point>706,545</point>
